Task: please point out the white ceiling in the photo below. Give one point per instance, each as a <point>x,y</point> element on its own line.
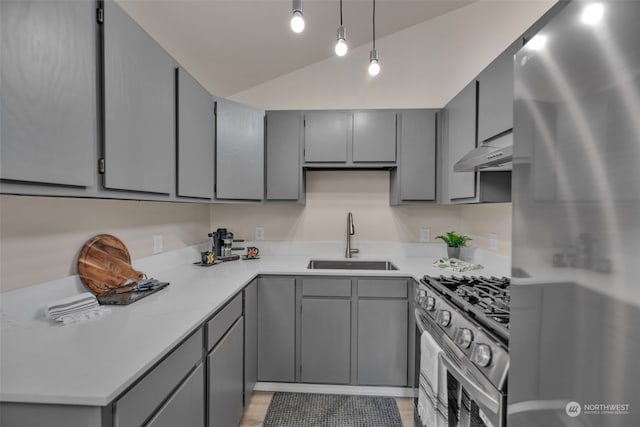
<point>233,45</point>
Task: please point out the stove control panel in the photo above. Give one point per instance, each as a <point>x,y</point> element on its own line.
<point>430,304</point>
<point>443,317</point>
<point>464,337</point>
<point>481,347</point>
<point>481,355</point>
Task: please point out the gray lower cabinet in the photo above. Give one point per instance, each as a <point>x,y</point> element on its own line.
<point>139,107</point>
<point>335,330</point>
<point>495,99</point>
<point>325,341</point>
<point>459,139</point>
<point>239,151</point>
<point>326,136</point>
<point>414,180</point>
<point>276,329</point>
<point>195,138</point>
<point>48,92</point>
<point>138,404</point>
<point>374,136</point>
<point>284,173</point>
<point>185,407</point>
<point>225,378</point>
<point>250,339</point>
<point>383,341</point>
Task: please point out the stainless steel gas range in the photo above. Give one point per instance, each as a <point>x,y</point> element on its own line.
<point>468,318</point>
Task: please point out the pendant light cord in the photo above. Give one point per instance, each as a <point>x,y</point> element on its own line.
<point>374,23</point>
<point>341,13</point>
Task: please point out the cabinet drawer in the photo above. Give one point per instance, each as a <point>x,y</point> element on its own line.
<point>186,407</point>
<point>323,287</point>
<point>382,288</point>
<point>141,401</point>
<point>222,321</point>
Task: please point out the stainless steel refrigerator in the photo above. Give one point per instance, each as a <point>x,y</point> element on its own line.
<point>575,330</point>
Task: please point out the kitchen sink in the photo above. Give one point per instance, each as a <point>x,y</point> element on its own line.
<point>323,264</point>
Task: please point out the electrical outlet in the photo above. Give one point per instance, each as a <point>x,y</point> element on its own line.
<point>425,235</point>
<point>157,243</point>
<point>259,233</point>
<point>493,241</point>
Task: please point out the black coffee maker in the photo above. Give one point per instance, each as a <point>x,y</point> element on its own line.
<point>217,241</point>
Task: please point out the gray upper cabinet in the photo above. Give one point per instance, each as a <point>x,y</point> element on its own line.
<point>239,151</point>
<point>495,99</point>
<point>415,178</point>
<point>196,127</point>
<point>326,136</point>
<point>374,136</point>
<point>139,103</point>
<point>284,173</point>
<point>460,138</point>
<point>326,341</point>
<point>48,92</point>
<point>276,329</point>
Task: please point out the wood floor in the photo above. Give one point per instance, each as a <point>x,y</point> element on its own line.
<point>259,403</point>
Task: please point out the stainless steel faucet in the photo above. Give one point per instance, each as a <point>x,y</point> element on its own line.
<point>350,232</point>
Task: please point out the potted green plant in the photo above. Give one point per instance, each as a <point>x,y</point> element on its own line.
<point>454,243</point>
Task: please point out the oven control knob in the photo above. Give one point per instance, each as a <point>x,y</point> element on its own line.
<point>464,337</point>
<point>430,304</point>
<point>481,355</point>
<point>420,296</point>
<point>444,317</point>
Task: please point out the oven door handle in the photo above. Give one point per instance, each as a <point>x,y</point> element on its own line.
<point>420,323</point>
<point>477,393</point>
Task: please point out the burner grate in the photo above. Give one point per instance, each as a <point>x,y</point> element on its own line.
<point>487,297</point>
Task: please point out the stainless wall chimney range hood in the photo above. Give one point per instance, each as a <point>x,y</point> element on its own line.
<point>495,154</point>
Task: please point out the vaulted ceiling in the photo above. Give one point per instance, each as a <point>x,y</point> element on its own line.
<point>239,44</point>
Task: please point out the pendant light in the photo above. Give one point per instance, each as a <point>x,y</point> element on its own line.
<point>374,64</point>
<point>297,21</point>
<point>341,45</point>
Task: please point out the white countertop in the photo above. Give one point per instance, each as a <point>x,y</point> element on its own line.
<point>94,362</point>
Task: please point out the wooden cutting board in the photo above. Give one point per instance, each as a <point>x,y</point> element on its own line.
<point>104,264</point>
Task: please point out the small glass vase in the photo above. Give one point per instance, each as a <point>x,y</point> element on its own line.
<point>453,252</point>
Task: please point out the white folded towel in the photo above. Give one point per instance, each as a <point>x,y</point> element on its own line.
<point>75,309</point>
<point>432,391</point>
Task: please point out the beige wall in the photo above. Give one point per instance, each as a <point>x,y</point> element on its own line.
<point>331,194</point>
<point>480,220</point>
<point>40,237</point>
<point>422,66</point>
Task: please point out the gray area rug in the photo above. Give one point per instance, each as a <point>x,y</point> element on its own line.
<point>331,410</point>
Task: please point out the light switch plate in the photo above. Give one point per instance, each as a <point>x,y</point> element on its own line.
<point>259,233</point>
<point>157,243</point>
<point>425,235</point>
<point>493,241</point>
